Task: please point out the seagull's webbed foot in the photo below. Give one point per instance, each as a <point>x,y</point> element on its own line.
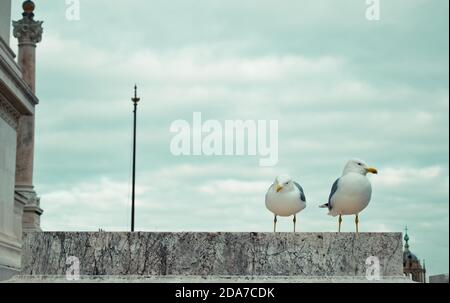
<point>295,223</point>
<point>275,224</point>
<point>340,222</point>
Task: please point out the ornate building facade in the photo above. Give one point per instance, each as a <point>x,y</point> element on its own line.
<point>19,204</point>
<point>411,264</point>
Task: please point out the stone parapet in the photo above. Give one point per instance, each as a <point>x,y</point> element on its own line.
<point>212,254</point>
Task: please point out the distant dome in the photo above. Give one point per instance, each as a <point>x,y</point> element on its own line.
<point>410,260</point>
<point>411,264</point>
<point>409,257</point>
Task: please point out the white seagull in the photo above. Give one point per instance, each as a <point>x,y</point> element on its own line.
<point>285,198</point>
<point>352,192</point>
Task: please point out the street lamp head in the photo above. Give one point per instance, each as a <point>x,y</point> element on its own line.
<point>135,99</point>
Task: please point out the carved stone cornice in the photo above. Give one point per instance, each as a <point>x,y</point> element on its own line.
<point>8,113</point>
<point>12,86</point>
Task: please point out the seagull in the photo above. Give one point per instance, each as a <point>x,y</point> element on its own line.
<point>352,192</point>
<point>285,198</point>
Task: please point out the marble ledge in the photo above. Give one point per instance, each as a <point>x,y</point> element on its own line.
<point>212,254</point>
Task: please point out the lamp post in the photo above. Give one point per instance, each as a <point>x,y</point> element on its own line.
<point>135,100</point>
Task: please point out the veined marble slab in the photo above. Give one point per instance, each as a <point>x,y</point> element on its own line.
<point>212,254</point>
<point>206,279</point>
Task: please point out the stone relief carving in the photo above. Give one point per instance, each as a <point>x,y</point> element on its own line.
<point>8,113</point>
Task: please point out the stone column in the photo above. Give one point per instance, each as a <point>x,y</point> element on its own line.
<point>29,33</point>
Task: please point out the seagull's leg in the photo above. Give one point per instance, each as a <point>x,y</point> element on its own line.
<point>340,222</point>
<point>357,224</point>
<point>275,224</point>
<point>295,222</point>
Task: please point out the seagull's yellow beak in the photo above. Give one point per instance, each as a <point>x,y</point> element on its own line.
<point>372,170</point>
<point>279,188</point>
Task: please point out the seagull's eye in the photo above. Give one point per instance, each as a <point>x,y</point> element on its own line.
<point>287,183</point>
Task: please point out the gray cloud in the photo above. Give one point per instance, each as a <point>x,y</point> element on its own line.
<point>340,86</point>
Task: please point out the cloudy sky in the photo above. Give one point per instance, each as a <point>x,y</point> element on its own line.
<point>339,85</point>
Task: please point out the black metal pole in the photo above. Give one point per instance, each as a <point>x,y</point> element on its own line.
<point>133,190</point>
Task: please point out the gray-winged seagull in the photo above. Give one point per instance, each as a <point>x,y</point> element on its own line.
<point>285,198</point>
<point>352,192</point>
